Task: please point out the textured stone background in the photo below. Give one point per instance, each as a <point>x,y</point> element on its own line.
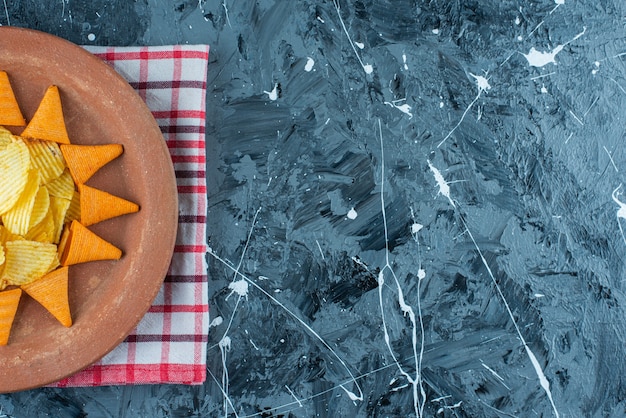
<point>422,200</point>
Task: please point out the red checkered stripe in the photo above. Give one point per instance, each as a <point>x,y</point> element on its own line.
<point>169,344</point>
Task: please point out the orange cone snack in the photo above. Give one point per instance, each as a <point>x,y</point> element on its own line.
<point>84,160</point>
<point>97,205</point>
<point>51,292</point>
<point>80,245</point>
<point>9,300</point>
<point>10,113</point>
<point>48,122</point>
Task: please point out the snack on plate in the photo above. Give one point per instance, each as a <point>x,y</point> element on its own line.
<point>51,292</point>
<point>9,300</point>
<point>48,123</point>
<point>10,114</point>
<point>85,160</point>
<point>45,206</point>
<point>80,245</point>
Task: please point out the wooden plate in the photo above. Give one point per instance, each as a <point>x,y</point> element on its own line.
<point>107,298</point>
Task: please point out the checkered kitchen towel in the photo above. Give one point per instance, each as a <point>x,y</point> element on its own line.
<point>169,344</point>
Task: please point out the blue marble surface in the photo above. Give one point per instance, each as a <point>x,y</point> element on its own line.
<point>416,208</point>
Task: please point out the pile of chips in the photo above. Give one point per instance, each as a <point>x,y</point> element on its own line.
<point>36,194</point>
<point>46,207</point>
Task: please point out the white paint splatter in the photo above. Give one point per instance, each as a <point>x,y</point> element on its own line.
<point>404,108</point>
<point>517,20</point>
<point>91,37</point>
<point>449,407</point>
<point>441,398</point>
<point>368,68</point>
<point>537,77</point>
<point>225,343</point>
<point>436,31</point>
<point>308,329</point>
<point>540,59</point>
<point>310,62</point>
<point>226,13</point>
<point>416,227</point>
<point>240,287</point>
<point>483,85</point>
<point>216,322</point>
<point>444,187</point>
<point>319,247</point>
<point>597,67</point>
<point>493,372</point>
<point>544,90</point>
<point>273,95</point>
<point>576,118</point>
<point>558,3</point>
<point>406,67</point>
<point>621,212</point>
<point>543,381</point>
<point>481,82</point>
<point>351,395</point>
<point>227,401</point>
<point>610,159</point>
<point>416,381</point>
<point>224,346</point>
<point>294,396</point>
<point>421,274</point>
<point>618,85</point>
<point>352,214</point>
<point>6,12</point>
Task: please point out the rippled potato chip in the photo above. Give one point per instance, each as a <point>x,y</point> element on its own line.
<point>62,186</point>
<point>47,158</point>
<point>44,231</point>
<point>17,219</point>
<point>6,137</point>
<point>41,206</point>
<point>27,261</point>
<point>13,173</point>
<point>73,212</point>
<point>58,209</point>
<point>6,235</point>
